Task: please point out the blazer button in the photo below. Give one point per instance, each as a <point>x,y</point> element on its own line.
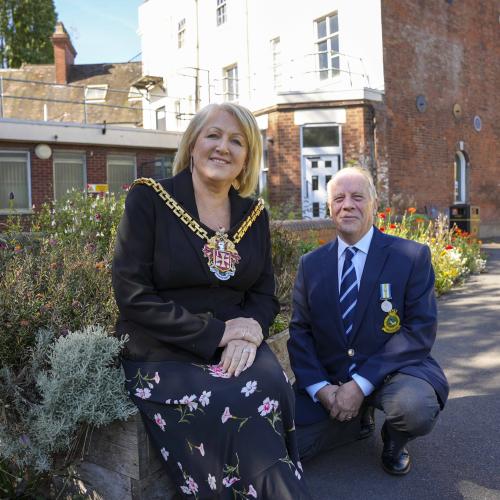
<point>351,352</point>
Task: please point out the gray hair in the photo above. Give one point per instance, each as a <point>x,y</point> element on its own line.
<point>361,170</point>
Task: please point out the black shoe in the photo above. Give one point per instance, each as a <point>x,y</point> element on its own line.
<point>394,462</point>
<point>367,423</point>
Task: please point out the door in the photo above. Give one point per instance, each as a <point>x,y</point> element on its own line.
<point>318,170</point>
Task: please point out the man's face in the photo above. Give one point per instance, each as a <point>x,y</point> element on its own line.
<point>351,205</point>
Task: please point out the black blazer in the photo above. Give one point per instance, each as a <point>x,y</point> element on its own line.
<point>171,305</point>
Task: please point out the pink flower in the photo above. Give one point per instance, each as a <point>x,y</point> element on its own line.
<point>98,217</point>
<point>251,492</point>
<point>192,485</point>
<point>164,454</point>
<point>217,371</point>
<point>143,393</point>
<point>205,398</point>
<point>266,407</point>
<point>228,481</point>
<point>159,420</point>
<point>201,449</point>
<point>275,404</point>
<point>226,415</point>
<point>190,401</point>
<point>156,378</point>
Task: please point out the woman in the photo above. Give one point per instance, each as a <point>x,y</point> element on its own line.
<point>194,284</point>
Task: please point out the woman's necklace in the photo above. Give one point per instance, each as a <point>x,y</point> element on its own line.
<point>219,250</point>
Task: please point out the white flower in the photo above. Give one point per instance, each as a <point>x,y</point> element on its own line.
<point>192,485</point>
<point>205,398</point>
<point>266,407</point>
<point>251,491</point>
<point>218,371</point>
<point>201,449</point>
<point>150,385</point>
<point>297,473</point>
<point>179,465</point>
<point>157,378</point>
<point>299,465</point>
<point>186,490</point>
<point>159,420</point>
<point>190,401</point>
<point>165,454</point>
<point>275,404</point>
<point>212,482</point>
<point>143,393</point>
<point>250,388</point>
<point>167,401</point>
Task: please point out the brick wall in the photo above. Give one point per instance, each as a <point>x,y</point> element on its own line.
<point>447,51</point>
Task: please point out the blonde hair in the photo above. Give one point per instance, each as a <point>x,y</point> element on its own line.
<point>361,170</point>
<point>247,180</point>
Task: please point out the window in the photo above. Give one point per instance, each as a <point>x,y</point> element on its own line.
<point>181,31</point>
<point>161,122</point>
<point>460,178</point>
<point>178,114</point>
<point>319,137</point>
<point>96,93</point>
<point>121,172</point>
<point>69,173</point>
<point>315,184</point>
<point>221,12</point>
<point>14,180</point>
<point>327,46</point>
<point>134,94</point>
<point>231,83</point>
<point>277,64</point>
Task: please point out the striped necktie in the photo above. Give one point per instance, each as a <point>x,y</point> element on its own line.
<point>348,290</point>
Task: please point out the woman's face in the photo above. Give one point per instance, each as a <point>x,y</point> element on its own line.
<point>220,151</point>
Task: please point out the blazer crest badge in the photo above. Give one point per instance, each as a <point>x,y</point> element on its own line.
<point>392,322</point>
<point>222,255</point>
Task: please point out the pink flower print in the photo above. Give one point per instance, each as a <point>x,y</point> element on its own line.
<point>205,398</point>
<point>160,422</point>
<point>143,393</point>
<point>251,492</point>
<point>229,481</point>
<point>249,388</point>
<point>150,385</point>
<point>201,449</point>
<point>266,407</point>
<point>275,404</point>
<point>156,378</point>
<point>226,415</point>
<point>185,490</point>
<point>192,485</point>
<point>190,401</point>
<point>164,454</point>
<point>212,482</point>
<point>217,371</point>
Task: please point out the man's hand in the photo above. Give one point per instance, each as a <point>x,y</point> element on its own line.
<point>347,402</point>
<point>326,396</point>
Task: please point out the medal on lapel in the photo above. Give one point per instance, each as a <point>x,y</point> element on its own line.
<point>392,323</point>
<point>219,250</point>
<point>385,297</point>
<point>222,255</point>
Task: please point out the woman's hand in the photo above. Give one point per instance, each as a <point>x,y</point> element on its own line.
<point>237,356</point>
<point>242,329</point>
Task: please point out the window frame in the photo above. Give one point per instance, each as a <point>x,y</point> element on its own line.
<point>157,110</point>
<point>181,33</point>
<point>118,155</point>
<point>28,209</point>
<point>61,152</point>
<point>460,194</point>
<point>231,94</point>
<point>330,70</point>
<point>103,86</point>
<point>221,12</point>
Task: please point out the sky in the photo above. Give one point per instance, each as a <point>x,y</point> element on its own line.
<point>102,31</point>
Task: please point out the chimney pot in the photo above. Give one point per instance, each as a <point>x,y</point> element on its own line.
<point>64,53</point>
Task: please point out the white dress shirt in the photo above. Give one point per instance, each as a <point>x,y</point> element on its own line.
<point>358,260</point>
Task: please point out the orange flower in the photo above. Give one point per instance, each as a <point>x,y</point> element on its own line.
<point>388,210</point>
<point>412,210</point>
<point>100,265</point>
<point>382,228</point>
<point>321,242</point>
<point>381,215</point>
<point>418,220</point>
<point>448,247</point>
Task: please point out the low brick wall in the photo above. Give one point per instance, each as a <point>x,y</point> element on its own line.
<point>321,230</point>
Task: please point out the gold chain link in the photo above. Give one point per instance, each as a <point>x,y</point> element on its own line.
<point>189,221</point>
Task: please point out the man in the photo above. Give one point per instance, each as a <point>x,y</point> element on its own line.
<point>362,328</point>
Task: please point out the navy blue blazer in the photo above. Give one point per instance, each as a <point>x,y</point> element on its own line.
<point>319,349</point>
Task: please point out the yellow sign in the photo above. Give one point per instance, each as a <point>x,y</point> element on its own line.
<point>97,188</point>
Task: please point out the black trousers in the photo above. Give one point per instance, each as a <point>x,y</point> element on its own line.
<point>411,409</point>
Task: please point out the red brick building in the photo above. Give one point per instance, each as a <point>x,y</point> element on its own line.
<point>431,138</point>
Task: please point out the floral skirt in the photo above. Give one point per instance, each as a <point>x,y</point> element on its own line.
<point>221,437</point>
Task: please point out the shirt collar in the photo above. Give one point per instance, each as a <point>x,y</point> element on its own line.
<point>362,245</point>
